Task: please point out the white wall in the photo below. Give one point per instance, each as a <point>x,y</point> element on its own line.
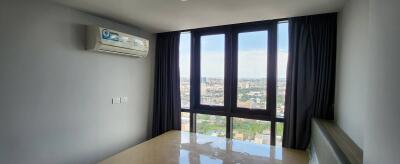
<point>353,62</point>
<point>382,125</point>
<point>368,77</point>
<point>55,97</point>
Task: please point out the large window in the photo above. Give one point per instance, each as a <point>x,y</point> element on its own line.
<point>211,125</point>
<point>256,131</point>
<point>185,121</point>
<point>283,50</point>
<point>212,69</point>
<point>279,133</point>
<point>234,81</point>
<point>184,68</point>
<point>252,70</point>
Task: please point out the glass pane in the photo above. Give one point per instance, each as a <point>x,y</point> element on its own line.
<point>252,70</point>
<point>185,121</point>
<point>212,69</point>
<point>283,49</point>
<point>255,131</point>
<point>184,69</point>
<point>279,133</point>
<point>211,125</point>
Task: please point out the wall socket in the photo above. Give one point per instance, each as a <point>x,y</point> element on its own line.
<point>116,100</point>
<point>120,100</point>
<point>124,100</point>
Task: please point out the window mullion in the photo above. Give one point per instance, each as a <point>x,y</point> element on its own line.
<point>228,127</point>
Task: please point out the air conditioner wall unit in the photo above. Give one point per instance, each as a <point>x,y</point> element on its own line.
<point>110,41</point>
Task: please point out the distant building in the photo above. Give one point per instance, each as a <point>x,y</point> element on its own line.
<point>239,136</point>
<point>262,138</point>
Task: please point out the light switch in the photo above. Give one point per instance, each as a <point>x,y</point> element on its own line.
<point>124,100</point>
<point>116,100</point>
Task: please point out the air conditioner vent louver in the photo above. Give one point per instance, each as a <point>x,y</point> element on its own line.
<point>109,41</point>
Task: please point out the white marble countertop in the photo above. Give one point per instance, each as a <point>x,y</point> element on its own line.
<point>184,148</point>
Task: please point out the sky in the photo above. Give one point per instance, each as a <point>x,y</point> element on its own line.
<point>252,54</point>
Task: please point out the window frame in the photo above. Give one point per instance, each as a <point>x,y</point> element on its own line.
<point>195,94</point>
<point>190,76</point>
<point>230,108</point>
<point>235,41</point>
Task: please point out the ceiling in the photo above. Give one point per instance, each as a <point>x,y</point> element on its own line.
<point>171,15</point>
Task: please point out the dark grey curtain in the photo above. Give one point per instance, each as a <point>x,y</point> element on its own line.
<point>311,76</point>
<point>166,107</point>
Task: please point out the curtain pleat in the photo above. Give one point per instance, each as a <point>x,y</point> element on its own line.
<point>166,106</point>
<point>311,76</point>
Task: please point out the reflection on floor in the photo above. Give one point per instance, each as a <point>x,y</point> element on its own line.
<point>191,148</point>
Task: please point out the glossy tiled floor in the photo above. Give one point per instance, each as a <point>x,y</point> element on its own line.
<point>183,147</point>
